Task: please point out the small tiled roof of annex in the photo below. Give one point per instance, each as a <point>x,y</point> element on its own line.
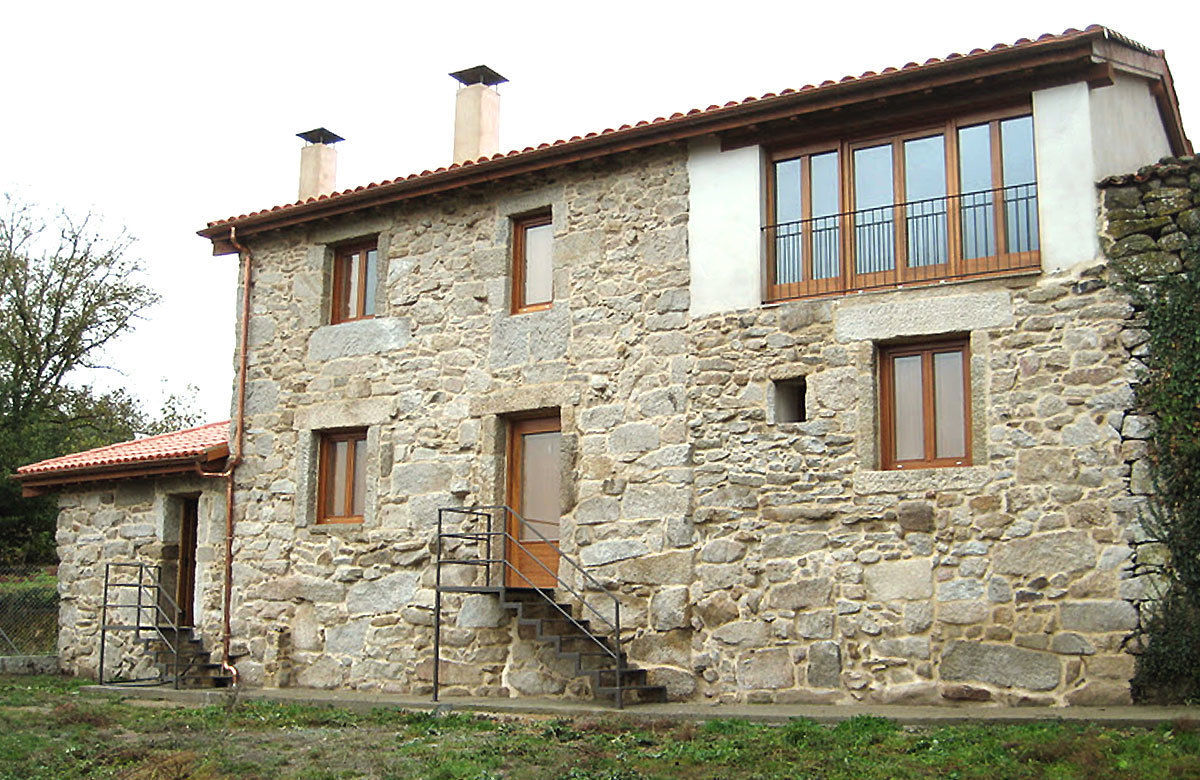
<point>210,439</point>
<point>1024,43</point>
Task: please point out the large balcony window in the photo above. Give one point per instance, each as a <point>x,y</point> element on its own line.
<point>955,202</point>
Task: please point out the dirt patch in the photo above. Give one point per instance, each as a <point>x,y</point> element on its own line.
<point>69,713</point>
<point>180,765</point>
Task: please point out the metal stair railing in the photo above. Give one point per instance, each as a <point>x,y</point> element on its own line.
<point>497,569</point>
<point>149,580</point>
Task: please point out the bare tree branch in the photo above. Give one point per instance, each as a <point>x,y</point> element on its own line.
<point>66,291</point>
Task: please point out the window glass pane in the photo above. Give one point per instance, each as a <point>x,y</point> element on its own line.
<point>949,405</point>
<point>909,408</point>
<point>341,295</point>
<point>352,285</point>
<point>787,191</point>
<point>975,183</point>
<point>539,264</point>
<point>372,275</point>
<point>1016,146</point>
<point>1020,193</point>
<point>925,192</point>
<point>789,264</point>
<point>335,484</point>
<point>540,484</point>
<point>874,234</point>
<point>360,477</point>
<point>825,205</point>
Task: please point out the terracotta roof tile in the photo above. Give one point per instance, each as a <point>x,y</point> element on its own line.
<point>869,75</point>
<point>189,443</point>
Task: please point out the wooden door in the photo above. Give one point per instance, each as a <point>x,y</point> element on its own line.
<point>534,493</point>
<point>185,584</point>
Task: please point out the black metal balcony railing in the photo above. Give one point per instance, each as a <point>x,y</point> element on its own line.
<point>968,234</point>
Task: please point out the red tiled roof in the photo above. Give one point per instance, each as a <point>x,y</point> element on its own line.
<point>614,135</point>
<point>201,443</point>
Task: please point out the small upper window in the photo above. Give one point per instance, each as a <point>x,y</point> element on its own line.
<point>355,271</point>
<point>533,263</point>
<point>925,405</point>
<point>342,476</point>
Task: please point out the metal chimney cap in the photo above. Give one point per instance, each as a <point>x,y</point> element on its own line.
<point>480,74</point>
<point>320,136</point>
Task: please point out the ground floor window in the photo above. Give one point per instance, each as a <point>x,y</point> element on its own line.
<point>342,479</point>
<point>925,404</point>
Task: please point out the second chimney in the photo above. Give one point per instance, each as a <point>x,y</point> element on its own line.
<point>477,113</point>
<point>318,163</point>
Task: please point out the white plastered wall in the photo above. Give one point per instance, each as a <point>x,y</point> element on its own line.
<point>1127,128</point>
<point>725,202</point>
<point>1081,136</point>
<point>1066,176</point>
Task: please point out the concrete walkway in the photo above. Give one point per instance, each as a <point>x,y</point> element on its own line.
<point>765,713</point>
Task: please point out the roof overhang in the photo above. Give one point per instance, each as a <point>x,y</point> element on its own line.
<point>43,482</point>
<point>1092,55</point>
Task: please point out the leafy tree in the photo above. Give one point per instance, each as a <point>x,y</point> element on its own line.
<point>66,291</point>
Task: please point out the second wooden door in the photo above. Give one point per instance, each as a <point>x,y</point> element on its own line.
<point>534,493</point>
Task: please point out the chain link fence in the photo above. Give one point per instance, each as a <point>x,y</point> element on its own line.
<point>28,610</point>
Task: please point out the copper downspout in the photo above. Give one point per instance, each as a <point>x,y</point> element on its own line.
<point>235,457</point>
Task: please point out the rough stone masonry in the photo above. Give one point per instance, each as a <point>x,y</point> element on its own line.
<point>756,560</point>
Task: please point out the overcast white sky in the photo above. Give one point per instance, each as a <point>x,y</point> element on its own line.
<point>163,116</point>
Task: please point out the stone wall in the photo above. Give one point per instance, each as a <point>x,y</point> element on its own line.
<point>819,578</point>
<point>132,521</point>
<point>755,560</point>
<point>1150,227</point>
<point>432,378</point>
<point>1150,223</point>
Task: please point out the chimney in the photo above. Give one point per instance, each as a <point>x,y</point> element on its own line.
<point>477,113</point>
<point>318,163</point>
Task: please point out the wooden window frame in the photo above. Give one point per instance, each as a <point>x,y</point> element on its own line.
<point>520,226</point>
<point>887,402</point>
<point>848,280</point>
<point>354,472</point>
<point>343,255</point>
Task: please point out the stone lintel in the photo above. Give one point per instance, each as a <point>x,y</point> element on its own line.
<point>344,414</point>
<point>922,315</point>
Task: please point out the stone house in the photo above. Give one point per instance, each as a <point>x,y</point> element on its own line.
<point>825,389</point>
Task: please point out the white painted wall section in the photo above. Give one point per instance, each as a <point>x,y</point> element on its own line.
<point>1127,128</point>
<point>725,200</point>
<point>1066,176</point>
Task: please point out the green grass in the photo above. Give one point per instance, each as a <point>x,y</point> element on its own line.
<point>49,730</point>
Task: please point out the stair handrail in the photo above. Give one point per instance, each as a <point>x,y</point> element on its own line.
<point>485,511</point>
<point>149,577</point>
<point>506,565</point>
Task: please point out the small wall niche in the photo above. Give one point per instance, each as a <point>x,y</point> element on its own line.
<point>788,397</point>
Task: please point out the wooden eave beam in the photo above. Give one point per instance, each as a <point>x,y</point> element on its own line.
<point>1076,49</point>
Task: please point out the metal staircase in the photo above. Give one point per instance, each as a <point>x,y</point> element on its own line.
<point>135,602</point>
<point>577,630</point>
